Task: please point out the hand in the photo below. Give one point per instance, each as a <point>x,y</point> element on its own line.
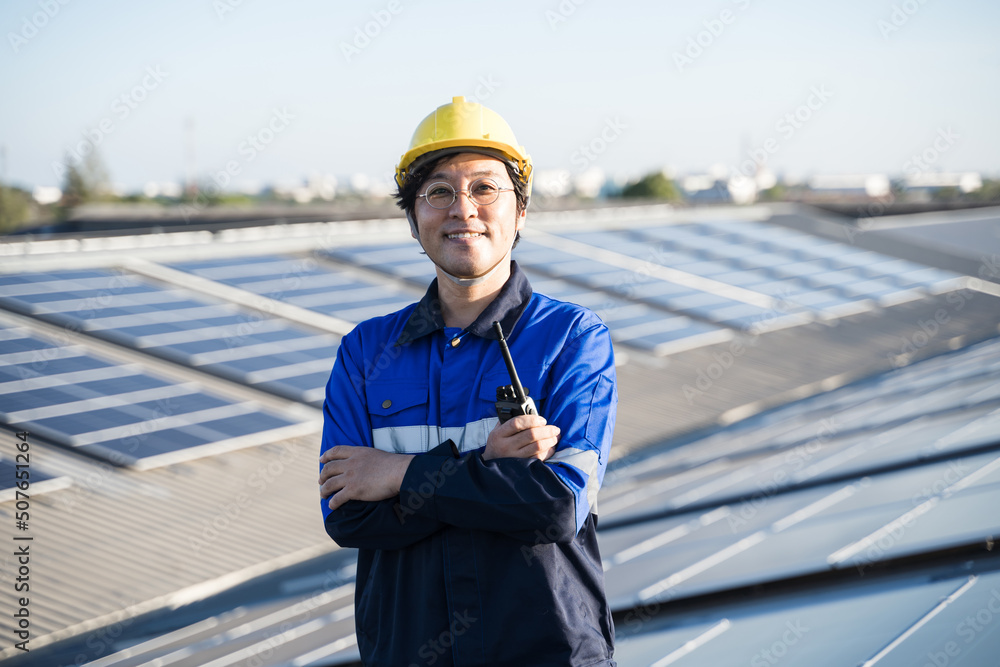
<point>360,473</point>
<point>523,437</point>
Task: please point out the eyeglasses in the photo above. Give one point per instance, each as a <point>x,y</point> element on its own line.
<point>482,192</point>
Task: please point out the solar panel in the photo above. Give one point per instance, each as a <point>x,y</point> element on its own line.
<point>632,278</point>
<point>123,413</point>
<point>402,260</point>
<point>305,282</point>
<point>316,631</point>
<point>634,324</point>
<point>903,623</point>
<point>935,409</point>
<point>901,464</point>
<point>178,325</point>
<point>40,481</point>
<point>843,525</point>
<point>795,257</point>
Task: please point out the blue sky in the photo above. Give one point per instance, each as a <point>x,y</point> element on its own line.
<point>855,86</point>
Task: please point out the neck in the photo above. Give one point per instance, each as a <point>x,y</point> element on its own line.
<point>462,304</point>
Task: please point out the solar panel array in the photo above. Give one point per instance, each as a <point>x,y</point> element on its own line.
<point>634,277</point>
<point>634,324</point>
<point>400,260</point>
<point>304,282</point>
<point>655,285</point>
<point>912,623</point>
<point>793,272</point>
<point>317,630</point>
<point>802,270</point>
<point>195,330</point>
<point>903,464</point>
<point>120,412</point>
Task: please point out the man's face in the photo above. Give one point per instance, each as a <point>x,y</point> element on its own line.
<point>467,239</point>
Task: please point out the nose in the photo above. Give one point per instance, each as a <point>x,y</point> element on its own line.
<point>463,206</point>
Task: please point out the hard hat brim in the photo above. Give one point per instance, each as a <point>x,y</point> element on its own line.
<point>521,165</point>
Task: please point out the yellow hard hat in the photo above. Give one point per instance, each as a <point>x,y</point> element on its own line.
<point>462,124</point>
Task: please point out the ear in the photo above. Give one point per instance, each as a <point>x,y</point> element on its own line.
<point>519,222</point>
<point>413,224</point>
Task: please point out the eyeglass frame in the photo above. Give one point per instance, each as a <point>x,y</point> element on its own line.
<point>467,192</point>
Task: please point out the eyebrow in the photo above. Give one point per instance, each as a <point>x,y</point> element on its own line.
<point>484,172</point>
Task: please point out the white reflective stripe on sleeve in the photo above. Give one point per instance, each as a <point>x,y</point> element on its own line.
<point>402,439</point>
<point>585,460</point>
<point>421,438</point>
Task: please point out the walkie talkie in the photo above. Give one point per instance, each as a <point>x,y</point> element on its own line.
<point>512,400</point>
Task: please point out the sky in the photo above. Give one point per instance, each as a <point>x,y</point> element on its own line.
<point>269,91</point>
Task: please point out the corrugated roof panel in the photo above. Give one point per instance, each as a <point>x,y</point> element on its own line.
<point>119,542</point>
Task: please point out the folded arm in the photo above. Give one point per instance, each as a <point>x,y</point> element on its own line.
<point>536,480</point>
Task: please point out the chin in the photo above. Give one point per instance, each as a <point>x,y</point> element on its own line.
<point>464,268</point>
<point>463,272</point>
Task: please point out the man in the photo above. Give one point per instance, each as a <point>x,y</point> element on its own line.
<point>477,539</point>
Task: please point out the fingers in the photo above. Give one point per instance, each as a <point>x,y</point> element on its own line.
<point>541,444</point>
<point>334,485</point>
<point>334,453</point>
<point>527,428</point>
<point>331,480</point>
<point>338,460</point>
<point>526,436</point>
<point>538,434</point>
<point>330,470</point>
<point>337,500</point>
<point>522,422</point>
<point>361,473</point>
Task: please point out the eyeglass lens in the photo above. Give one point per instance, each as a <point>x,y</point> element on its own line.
<point>482,192</point>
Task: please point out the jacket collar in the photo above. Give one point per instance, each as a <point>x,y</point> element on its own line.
<point>506,308</point>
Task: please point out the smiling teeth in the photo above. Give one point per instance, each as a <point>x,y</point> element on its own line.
<point>464,235</point>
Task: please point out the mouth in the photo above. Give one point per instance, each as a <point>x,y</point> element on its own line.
<point>464,235</point>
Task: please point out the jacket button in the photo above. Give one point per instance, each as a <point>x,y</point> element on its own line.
<point>386,403</point>
<point>455,341</point>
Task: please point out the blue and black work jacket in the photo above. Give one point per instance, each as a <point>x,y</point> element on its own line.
<point>477,562</point>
